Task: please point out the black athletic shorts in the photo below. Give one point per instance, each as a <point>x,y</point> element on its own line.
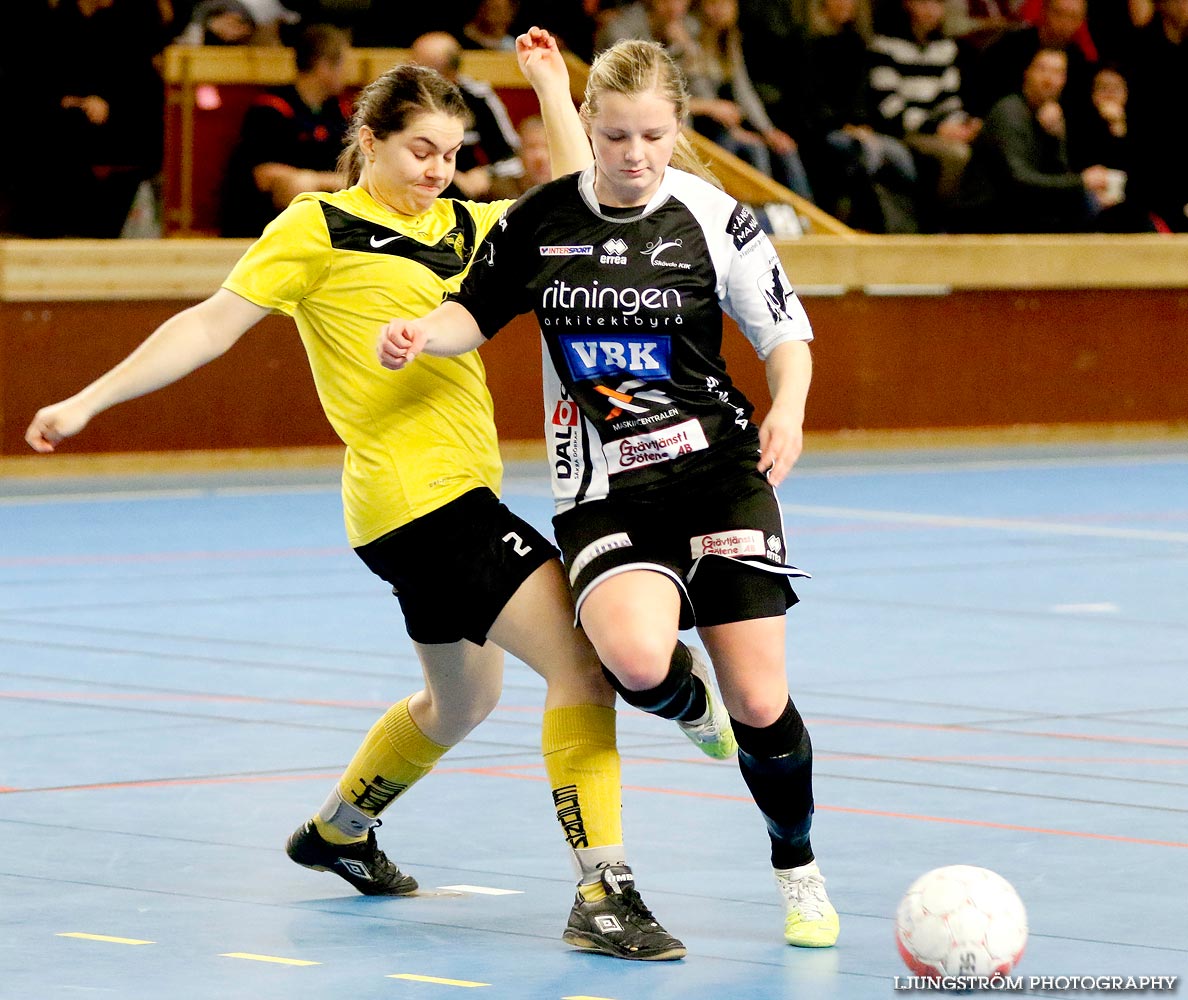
<point>454,569</point>
<point>719,536</point>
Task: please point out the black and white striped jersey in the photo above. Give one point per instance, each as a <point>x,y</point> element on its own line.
<point>630,305</point>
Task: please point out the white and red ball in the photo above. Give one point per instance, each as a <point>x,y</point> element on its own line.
<point>961,921</point>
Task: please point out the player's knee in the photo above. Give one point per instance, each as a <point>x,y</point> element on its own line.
<point>784,736</point>
<point>757,709</point>
<point>457,716</point>
<point>636,662</point>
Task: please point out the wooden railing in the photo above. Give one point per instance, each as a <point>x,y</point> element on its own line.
<point>208,90</point>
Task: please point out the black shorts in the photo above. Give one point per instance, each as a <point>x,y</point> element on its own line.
<point>719,537</point>
<point>455,569</point>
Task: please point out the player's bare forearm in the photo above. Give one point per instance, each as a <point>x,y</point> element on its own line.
<point>447,331</point>
<point>789,370</point>
<point>544,66</point>
<point>781,435</point>
<point>177,347</point>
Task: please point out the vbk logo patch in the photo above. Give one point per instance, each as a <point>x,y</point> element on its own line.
<point>565,414</point>
<point>646,358</point>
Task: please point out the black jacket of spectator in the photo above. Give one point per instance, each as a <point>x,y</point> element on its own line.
<point>1000,67</point>
<point>1158,113</point>
<point>840,91</point>
<point>279,127</point>
<point>1018,178</point>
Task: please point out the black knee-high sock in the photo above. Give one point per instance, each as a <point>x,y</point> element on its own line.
<point>680,696</point>
<point>777,764</point>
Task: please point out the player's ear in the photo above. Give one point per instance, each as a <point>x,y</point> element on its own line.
<point>367,141</point>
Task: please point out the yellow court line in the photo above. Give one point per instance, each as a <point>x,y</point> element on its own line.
<point>102,937</point>
<point>266,958</point>
<point>434,979</point>
<point>585,998</point>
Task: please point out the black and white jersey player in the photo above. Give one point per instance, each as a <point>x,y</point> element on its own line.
<point>630,304</point>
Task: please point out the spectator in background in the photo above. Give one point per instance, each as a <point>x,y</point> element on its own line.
<point>489,157</point>
<point>998,70</point>
<point>665,21</point>
<point>489,26</point>
<point>1158,117</point>
<point>534,153</point>
<point>916,86</point>
<point>573,23</point>
<point>397,24</point>
<point>1019,179</point>
<point>1107,139</point>
<point>725,106</point>
<point>291,137</point>
<point>219,22</point>
<point>866,178</point>
<point>1114,26</point>
<point>775,46</point>
<point>89,72</point>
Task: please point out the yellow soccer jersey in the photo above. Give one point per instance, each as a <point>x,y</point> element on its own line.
<point>342,265</point>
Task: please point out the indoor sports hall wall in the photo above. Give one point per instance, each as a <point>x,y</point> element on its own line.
<point>913,333</point>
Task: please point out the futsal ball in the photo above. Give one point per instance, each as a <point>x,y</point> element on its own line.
<point>961,921</point>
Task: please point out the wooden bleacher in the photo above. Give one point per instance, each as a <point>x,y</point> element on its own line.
<point>209,89</point>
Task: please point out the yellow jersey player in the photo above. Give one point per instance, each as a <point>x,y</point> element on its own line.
<point>420,483</point>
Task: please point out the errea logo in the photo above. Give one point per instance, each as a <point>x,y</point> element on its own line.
<point>615,251</point>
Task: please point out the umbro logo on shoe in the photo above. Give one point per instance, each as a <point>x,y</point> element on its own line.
<point>356,868</point>
<point>608,924</point>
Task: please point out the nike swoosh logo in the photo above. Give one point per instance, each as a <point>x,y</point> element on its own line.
<point>382,243</point>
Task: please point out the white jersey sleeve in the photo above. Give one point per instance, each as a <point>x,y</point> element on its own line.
<point>752,285</point>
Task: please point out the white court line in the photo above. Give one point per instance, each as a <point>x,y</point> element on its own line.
<point>96,497</point>
<point>994,523</point>
<point>483,890</point>
<point>943,465</point>
<point>189,493</point>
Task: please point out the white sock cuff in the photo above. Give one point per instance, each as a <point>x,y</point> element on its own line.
<point>344,817</point>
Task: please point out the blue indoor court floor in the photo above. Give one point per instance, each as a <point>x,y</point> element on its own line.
<point>992,658</point>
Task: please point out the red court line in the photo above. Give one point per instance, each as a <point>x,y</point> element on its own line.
<point>229,698</point>
<point>881,813</point>
<point>528,709</point>
<point>515,771</point>
<point>246,779</point>
<point>985,758</point>
<point>990,731</point>
<point>241,699</point>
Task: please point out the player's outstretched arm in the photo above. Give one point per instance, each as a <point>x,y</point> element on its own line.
<point>544,67</point>
<point>447,331</point>
<point>178,346</point>
<point>781,435</point>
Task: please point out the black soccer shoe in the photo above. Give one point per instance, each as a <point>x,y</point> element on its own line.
<point>364,865</point>
<point>620,925</point>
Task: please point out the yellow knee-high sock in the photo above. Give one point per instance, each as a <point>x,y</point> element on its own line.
<point>394,755</point>
<point>582,762</point>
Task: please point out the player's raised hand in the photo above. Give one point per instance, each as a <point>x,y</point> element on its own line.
<point>400,342</point>
<point>540,58</point>
<point>51,424</point>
